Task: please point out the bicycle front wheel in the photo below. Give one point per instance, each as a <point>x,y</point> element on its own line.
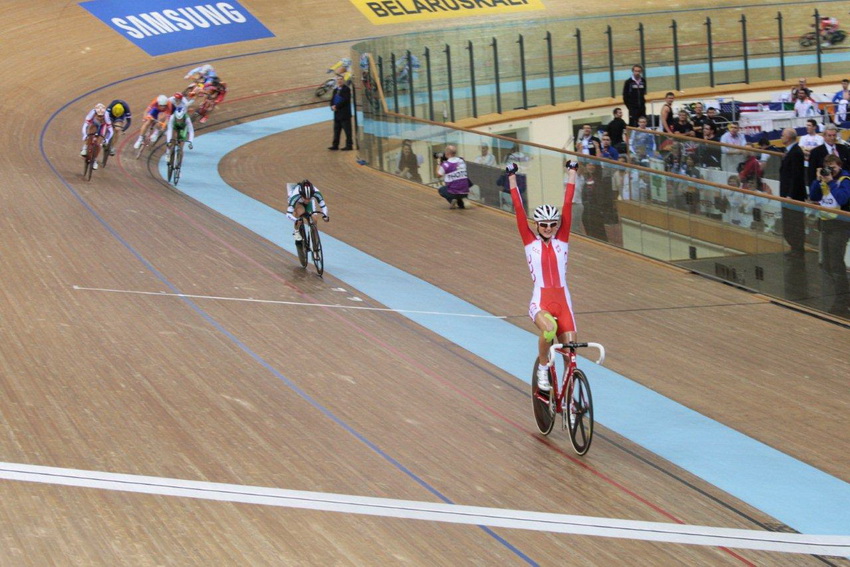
<point>316,249</point>
<point>542,403</point>
<point>579,412</point>
<point>301,246</point>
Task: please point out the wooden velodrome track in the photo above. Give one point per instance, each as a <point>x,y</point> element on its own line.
<point>362,403</point>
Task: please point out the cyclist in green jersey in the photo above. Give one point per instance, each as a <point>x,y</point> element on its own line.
<point>180,124</point>
<point>302,197</point>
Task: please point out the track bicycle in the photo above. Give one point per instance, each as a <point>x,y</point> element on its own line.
<point>175,161</point>
<point>572,399</point>
<point>310,242</point>
<point>153,133</point>
<point>92,149</point>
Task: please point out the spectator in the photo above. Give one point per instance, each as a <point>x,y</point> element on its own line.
<point>708,155</point>
<point>607,150</point>
<point>792,185</point>
<point>341,106</point>
<point>841,107</point>
<point>751,174</point>
<point>634,95</point>
<point>408,163</point>
<point>810,140</point>
<point>691,168</point>
<point>845,89</point>
<point>642,142</point>
<point>486,158</point>
<point>735,202</point>
<point>683,124</point>
<point>586,142</point>
<point>833,192</point>
<point>732,156</point>
<point>452,170</point>
<point>517,156</point>
<point>668,118</point>
<point>804,106</point>
<point>830,146</point>
<point>616,128</point>
<point>673,161</point>
<point>698,119</point>
<point>801,86</point>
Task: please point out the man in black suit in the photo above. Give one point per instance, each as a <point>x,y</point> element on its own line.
<point>634,95</point>
<point>792,184</point>
<point>830,146</point>
<point>341,105</point>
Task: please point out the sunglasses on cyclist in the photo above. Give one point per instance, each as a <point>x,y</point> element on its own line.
<point>547,224</point>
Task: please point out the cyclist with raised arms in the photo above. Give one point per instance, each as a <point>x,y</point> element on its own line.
<point>181,124</point>
<point>546,253</point>
<point>97,121</point>
<point>302,198</point>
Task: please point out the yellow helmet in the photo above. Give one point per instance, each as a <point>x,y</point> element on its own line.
<point>118,110</point>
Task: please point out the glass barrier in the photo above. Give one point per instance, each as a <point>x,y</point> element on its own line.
<point>733,234</point>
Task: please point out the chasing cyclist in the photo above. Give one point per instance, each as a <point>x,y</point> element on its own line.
<point>159,105</point>
<point>203,74</point>
<point>302,197</point>
<point>546,253</point>
<point>181,124</point>
<point>342,68</point>
<point>214,92</point>
<point>827,26</point>
<point>119,114</point>
<point>97,122</point>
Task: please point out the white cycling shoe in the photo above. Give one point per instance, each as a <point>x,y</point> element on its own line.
<point>543,380</point>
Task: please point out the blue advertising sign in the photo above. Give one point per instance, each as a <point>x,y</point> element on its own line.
<point>166,26</point>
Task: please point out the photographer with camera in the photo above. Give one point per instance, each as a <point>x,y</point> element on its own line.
<point>452,170</point>
<point>832,190</point>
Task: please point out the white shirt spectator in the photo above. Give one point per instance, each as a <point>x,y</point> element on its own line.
<point>804,108</point>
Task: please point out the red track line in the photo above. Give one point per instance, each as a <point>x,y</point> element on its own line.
<point>400,355</point>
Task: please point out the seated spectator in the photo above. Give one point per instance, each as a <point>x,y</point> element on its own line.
<point>698,119</point>
<point>486,158</point>
<point>642,141</point>
<point>683,124</point>
<point>586,142</point>
<point>708,155</point>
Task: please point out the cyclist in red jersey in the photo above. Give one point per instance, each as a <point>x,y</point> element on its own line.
<point>546,253</point>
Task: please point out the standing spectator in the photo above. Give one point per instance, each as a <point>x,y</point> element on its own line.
<point>607,150</point>
<point>616,128</point>
<point>341,106</point>
<point>408,163</point>
<point>809,141</point>
<point>830,146</point>
<point>833,191</point>
<point>845,89</point>
<point>804,106</point>
<point>667,116</point>
<point>642,142</point>
<point>792,185</point>
<point>683,124</point>
<point>486,158</point>
<point>801,86</point>
<point>586,142</point>
<point>731,157</point>
<point>452,170</point>
<point>841,107</point>
<point>708,155</point>
<point>634,95</point>
<point>698,119</point>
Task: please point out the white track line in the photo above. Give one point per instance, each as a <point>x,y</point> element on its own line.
<point>277,302</point>
<point>435,512</point>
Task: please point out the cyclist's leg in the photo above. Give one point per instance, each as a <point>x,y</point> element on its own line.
<point>298,211</point>
<point>148,120</point>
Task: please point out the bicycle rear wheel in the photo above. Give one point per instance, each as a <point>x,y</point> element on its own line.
<point>579,412</point>
<point>171,153</point>
<point>301,246</point>
<point>542,404</point>
<point>106,149</point>
<point>316,249</point>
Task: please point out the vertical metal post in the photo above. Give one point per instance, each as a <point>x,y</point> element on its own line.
<point>381,73</point>
<point>819,51</point>
<point>675,29</point>
<point>472,78</point>
<point>710,51</point>
<point>781,47</point>
<point>495,46</point>
<point>580,65</point>
<point>410,83</point>
<point>521,42</point>
<point>642,37</point>
<point>743,21</point>
<point>395,82</point>
<point>551,68</point>
<point>451,88</point>
<point>611,61</point>
<point>427,56</point>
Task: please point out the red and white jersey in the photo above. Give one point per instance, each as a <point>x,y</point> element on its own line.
<point>547,261</point>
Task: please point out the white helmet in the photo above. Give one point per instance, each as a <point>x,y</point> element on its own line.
<point>346,62</point>
<point>99,109</point>
<point>180,113</point>
<point>546,213</point>
<point>162,100</point>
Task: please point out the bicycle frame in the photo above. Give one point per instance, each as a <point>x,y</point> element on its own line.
<point>569,354</point>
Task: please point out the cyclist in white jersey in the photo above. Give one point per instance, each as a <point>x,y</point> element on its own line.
<point>546,253</point>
